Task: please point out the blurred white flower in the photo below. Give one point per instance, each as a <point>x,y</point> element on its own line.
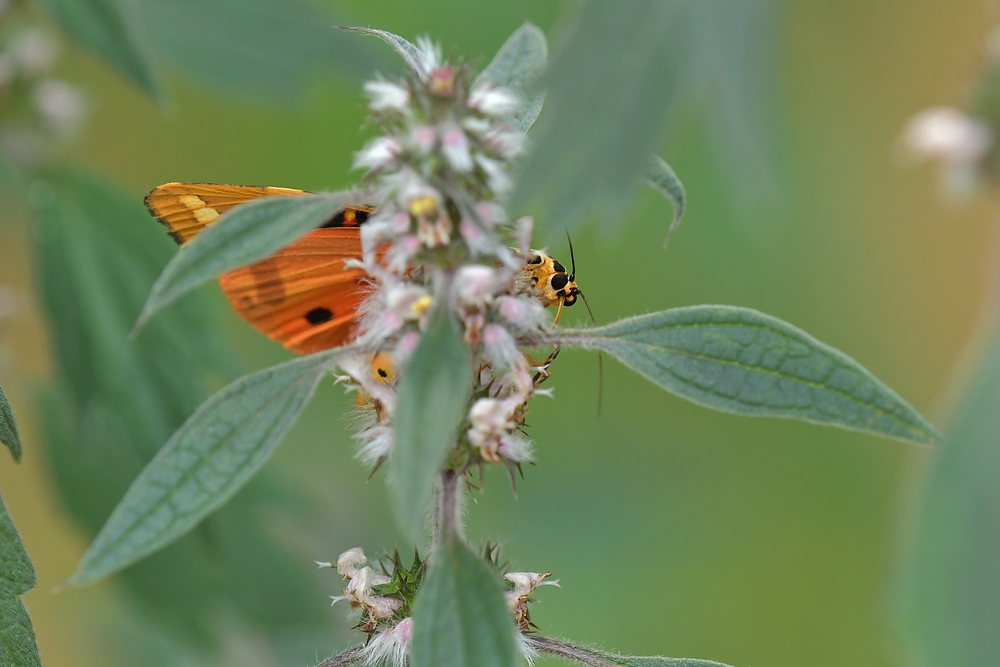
<point>492,100</point>
<point>947,134</point>
<point>34,50</point>
<point>387,95</point>
<point>378,153</point>
<point>455,148</point>
<point>60,104</point>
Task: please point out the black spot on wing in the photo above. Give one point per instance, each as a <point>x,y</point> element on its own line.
<point>558,267</point>
<point>319,315</point>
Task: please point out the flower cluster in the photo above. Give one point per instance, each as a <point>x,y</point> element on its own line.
<point>35,107</point>
<point>440,238</point>
<point>386,601</point>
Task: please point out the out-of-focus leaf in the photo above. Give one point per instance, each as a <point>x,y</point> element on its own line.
<point>404,48</point>
<point>241,236</point>
<point>107,29</point>
<point>954,588</point>
<point>258,47</point>
<point>217,450</point>
<point>8,427</point>
<point>619,81</point>
<point>460,618</point>
<point>518,63</point>
<point>433,393</point>
<point>660,176</point>
<point>18,647</point>
<point>597,658</point>
<point>743,361</point>
<point>117,401</point>
<point>17,574</point>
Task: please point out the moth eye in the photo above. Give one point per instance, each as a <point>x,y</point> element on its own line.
<point>319,315</point>
<point>558,267</point>
<point>559,281</point>
<point>537,259</point>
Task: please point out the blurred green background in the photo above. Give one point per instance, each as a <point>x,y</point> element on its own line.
<point>673,530</point>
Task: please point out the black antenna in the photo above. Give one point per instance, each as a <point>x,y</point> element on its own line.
<point>600,356</point>
<point>572,264</point>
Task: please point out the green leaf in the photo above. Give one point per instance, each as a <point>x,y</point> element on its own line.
<point>8,427</point>
<point>241,236</point>
<point>405,49</point>
<point>460,618</point>
<point>619,82</point>
<point>17,575</point>
<point>517,65</point>
<point>210,457</point>
<point>105,28</point>
<point>743,361</point>
<point>660,176</point>
<point>433,396</point>
<point>953,603</point>
<point>262,48</point>
<point>18,647</point>
<point>597,658</point>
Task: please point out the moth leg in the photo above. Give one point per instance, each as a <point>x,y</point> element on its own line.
<point>543,368</point>
<point>555,320</point>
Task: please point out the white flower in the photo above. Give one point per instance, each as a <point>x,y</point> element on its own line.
<point>499,347</point>
<point>949,135</point>
<point>389,648</point>
<point>59,103</point>
<point>492,100</point>
<point>428,57</point>
<point>375,444</point>
<point>349,562</point>
<point>455,148</point>
<point>496,176</point>
<point>378,153</point>
<point>475,284</point>
<point>34,50</point>
<point>508,143</point>
<point>524,313</point>
<point>525,584</point>
<point>423,138</point>
<point>387,95</point>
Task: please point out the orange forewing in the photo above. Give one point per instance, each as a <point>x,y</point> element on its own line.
<point>302,296</point>
<point>186,208</point>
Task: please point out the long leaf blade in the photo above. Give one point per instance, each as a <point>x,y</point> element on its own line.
<point>743,361</point>
<point>241,236</point>
<point>8,427</point>
<point>210,457</point>
<point>17,574</point>
<point>953,604</point>
<point>103,26</point>
<point>460,618</point>
<point>660,176</point>
<point>433,394</point>
<point>18,647</point>
<point>518,64</point>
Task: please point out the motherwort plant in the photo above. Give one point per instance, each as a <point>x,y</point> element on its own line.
<point>455,298</point>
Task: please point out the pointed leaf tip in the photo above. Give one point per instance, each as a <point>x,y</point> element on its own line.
<point>742,361</point>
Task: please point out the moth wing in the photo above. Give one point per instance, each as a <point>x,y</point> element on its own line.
<point>186,208</point>
<point>303,295</point>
